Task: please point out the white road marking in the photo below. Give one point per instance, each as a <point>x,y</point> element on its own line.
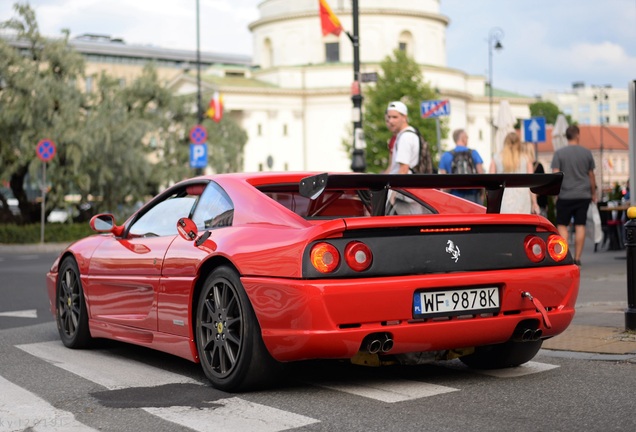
<point>234,415</point>
<point>21,410</point>
<point>390,391</point>
<point>104,368</point>
<point>28,313</point>
<point>514,372</point>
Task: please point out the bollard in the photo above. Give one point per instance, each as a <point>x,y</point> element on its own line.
<point>630,245</point>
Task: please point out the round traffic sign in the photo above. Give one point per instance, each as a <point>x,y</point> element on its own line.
<point>198,135</point>
<point>45,150</point>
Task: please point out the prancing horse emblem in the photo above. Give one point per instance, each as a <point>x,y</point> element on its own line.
<point>453,250</point>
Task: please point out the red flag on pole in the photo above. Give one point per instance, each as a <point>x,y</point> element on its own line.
<point>215,109</point>
<point>328,20</point>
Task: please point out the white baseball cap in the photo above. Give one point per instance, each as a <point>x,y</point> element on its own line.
<point>399,107</point>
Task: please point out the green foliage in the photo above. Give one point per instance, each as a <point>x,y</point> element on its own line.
<point>115,145</point>
<point>226,141</point>
<point>53,233</point>
<point>400,79</point>
<point>548,110</point>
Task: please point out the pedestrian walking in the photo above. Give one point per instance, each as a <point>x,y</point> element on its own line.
<point>577,190</point>
<point>462,160</point>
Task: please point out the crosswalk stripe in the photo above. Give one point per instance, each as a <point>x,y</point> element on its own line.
<point>22,410</point>
<point>104,368</point>
<point>233,415</point>
<point>519,371</point>
<point>390,391</point>
<point>28,313</point>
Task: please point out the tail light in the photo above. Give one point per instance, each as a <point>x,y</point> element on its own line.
<point>535,248</point>
<point>324,257</point>
<point>557,247</point>
<point>358,256</point>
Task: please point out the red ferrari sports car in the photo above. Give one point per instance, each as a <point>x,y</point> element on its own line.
<point>244,272</point>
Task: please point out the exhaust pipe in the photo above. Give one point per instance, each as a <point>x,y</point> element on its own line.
<point>523,335</point>
<point>376,342</point>
<point>374,346</point>
<point>536,335</point>
<point>387,344</point>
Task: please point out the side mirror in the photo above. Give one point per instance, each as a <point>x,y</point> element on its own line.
<point>103,223</point>
<point>188,231</point>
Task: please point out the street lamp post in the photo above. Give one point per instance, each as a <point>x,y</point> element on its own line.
<point>601,97</point>
<point>358,162</point>
<point>494,42</point>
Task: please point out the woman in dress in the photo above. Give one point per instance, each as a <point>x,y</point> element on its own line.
<point>514,159</point>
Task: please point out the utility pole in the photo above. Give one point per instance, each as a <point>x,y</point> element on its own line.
<point>358,160</point>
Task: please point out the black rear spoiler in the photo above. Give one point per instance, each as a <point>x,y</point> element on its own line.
<point>379,184</point>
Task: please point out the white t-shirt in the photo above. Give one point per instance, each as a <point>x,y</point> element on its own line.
<point>406,150</point>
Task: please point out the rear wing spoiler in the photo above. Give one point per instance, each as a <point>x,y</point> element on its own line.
<point>379,184</point>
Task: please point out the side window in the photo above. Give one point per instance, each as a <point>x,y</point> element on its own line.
<point>214,209</point>
<point>161,220</point>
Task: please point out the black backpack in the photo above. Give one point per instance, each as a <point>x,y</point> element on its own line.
<point>425,164</point>
<point>463,162</point>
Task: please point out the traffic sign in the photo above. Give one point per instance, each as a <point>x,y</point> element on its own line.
<point>45,150</point>
<point>198,134</point>
<point>534,129</point>
<point>435,108</point>
<point>198,155</point>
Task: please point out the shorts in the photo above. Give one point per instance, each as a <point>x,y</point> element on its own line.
<point>568,209</point>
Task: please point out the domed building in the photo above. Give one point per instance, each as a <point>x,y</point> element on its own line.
<point>295,101</point>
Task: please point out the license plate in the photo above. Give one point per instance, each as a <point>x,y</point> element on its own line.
<point>428,304</point>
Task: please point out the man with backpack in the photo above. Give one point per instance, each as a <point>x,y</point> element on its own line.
<point>410,153</point>
<point>463,160</point>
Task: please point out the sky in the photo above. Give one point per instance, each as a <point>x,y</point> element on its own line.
<point>547,44</point>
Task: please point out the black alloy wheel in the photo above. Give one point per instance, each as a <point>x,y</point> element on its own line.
<point>71,314</point>
<point>228,336</point>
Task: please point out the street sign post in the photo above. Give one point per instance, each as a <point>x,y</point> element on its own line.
<point>45,150</point>
<point>534,130</point>
<point>435,108</point>
<point>198,135</point>
<point>198,155</point>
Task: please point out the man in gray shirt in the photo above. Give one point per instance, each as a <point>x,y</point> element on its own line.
<point>577,190</point>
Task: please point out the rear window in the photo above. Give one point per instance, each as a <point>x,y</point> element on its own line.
<point>334,204</point>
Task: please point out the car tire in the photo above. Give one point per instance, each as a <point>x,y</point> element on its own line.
<point>71,313</point>
<point>501,356</point>
<point>228,336</point>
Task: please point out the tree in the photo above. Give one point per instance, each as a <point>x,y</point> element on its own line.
<point>115,145</point>
<point>39,99</point>
<point>400,79</point>
<point>548,110</point>
<point>226,142</point>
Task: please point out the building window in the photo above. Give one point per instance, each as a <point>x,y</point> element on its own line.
<point>623,119</point>
<point>268,54</point>
<point>284,130</point>
<point>259,129</point>
<point>584,108</point>
<point>405,42</point>
<point>402,46</point>
<point>622,106</point>
<point>332,52</point>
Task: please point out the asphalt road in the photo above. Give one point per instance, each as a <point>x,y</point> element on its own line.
<point>115,386</point>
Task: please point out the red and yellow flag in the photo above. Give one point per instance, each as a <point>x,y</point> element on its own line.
<point>215,109</point>
<point>328,20</point>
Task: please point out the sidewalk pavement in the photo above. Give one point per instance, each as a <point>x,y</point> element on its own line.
<point>598,328</point>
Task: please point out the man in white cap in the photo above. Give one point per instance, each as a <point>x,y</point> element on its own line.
<point>406,151</point>
<point>406,154</point>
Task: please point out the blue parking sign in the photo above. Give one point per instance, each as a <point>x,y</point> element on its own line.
<point>198,155</point>
<point>534,130</point>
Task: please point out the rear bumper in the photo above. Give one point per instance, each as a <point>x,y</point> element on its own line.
<point>306,319</point>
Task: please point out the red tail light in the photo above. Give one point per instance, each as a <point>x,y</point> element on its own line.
<point>535,248</point>
<point>557,247</point>
<point>324,257</point>
<point>358,256</point>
